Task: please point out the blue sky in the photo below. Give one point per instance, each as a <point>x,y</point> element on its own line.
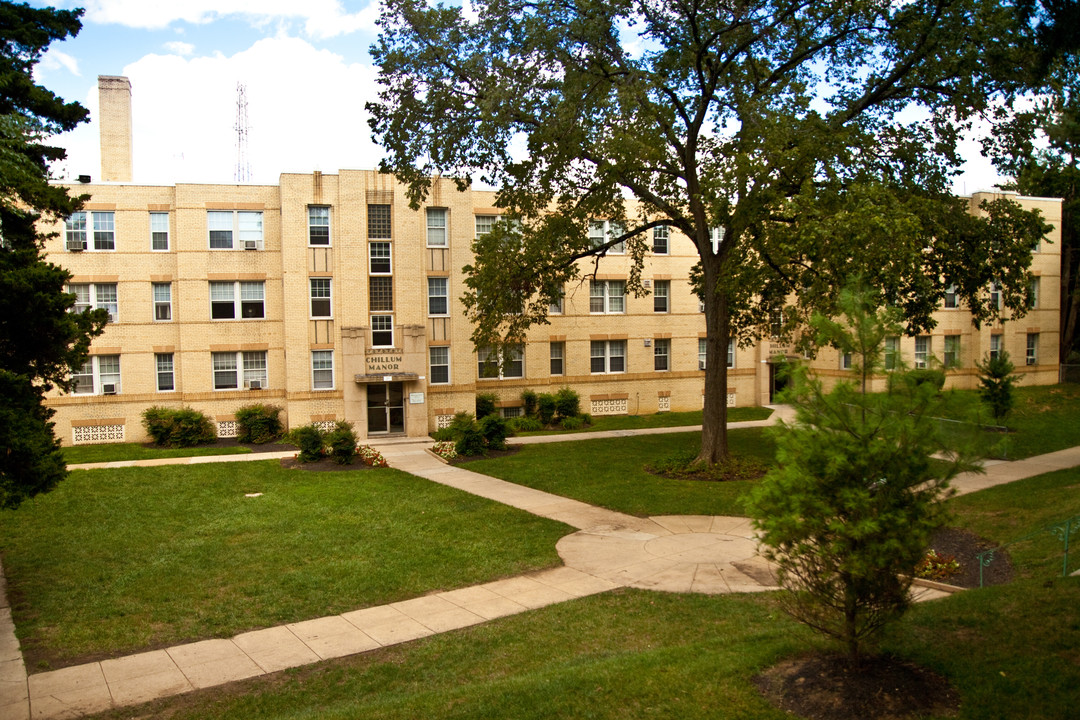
<point>305,67</point>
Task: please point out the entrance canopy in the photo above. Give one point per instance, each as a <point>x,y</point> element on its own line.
<point>391,377</point>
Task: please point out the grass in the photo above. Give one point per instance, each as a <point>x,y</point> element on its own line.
<point>115,561</point>
<point>112,452</point>
<point>1045,419</point>
<point>658,420</point>
<point>610,473</point>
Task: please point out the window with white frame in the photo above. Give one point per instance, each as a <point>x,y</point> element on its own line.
<point>379,222</point>
<point>166,376</point>
<point>995,346</point>
<point>96,295</point>
<point>322,369</point>
<point>239,229</point>
<point>75,232</point>
<point>557,353</point>
<point>951,355</point>
<point>439,373</point>
<point>162,301</point>
<point>484,223</point>
<point>490,365</point>
<point>660,240</point>
<point>556,308</point>
<point>731,352</point>
<point>511,411</point>
<point>1032,355</point>
<point>845,361</point>
<point>103,229</point>
<point>382,331</point>
<point>320,297</point>
<point>233,370</point>
<point>1033,294</point>
<point>237,299</point>
<point>607,356</point>
<point>662,296</point>
<point>995,295</point>
<point>702,353</point>
<point>892,352</point>
<point>99,375</point>
<point>159,231</point>
<point>607,296</point>
<point>436,227</point>
<point>438,296</point>
<point>379,258</point>
<point>604,231</point>
<point>318,225</point>
<point>381,293</point>
<point>716,237</point>
<point>661,354</point>
<point>922,351</point>
<point>952,300</point>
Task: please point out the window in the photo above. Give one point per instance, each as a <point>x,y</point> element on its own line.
<point>95,295</point>
<point>381,293</point>
<point>99,375</point>
<point>845,361</point>
<point>702,353</point>
<point>1033,294</point>
<point>731,352</point>
<point>75,232</point>
<point>320,297</point>
<point>603,231</point>
<point>922,351</point>
<point>379,258</point>
<point>227,369</point>
<point>436,227</point>
<point>952,351</point>
<point>716,236</point>
<point>318,221</point>
<point>438,296</point>
<point>102,225</point>
<point>224,305</point>
<point>607,356</point>
<point>661,354</point>
<point>952,301</point>
<point>225,225</point>
<point>556,308</point>
<point>378,222</point>
<point>162,301</point>
<point>995,295</point>
<point>995,346</point>
<point>440,365</point>
<point>159,231</point>
<point>382,331</point>
<point>607,296</point>
<point>661,293</point>
<point>892,352</point>
<point>322,369</point>
<point>558,356</point>
<point>484,223</point>
<point>104,231</point>
<point>166,380</point>
<point>511,412</point>
<point>489,364</point>
<point>660,240</point>
<point>1032,355</point>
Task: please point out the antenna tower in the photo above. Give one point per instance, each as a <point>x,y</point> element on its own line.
<point>243,165</point>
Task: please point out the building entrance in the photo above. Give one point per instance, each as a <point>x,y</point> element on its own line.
<point>385,408</point>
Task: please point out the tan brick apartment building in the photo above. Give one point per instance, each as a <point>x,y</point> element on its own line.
<point>328,296</point>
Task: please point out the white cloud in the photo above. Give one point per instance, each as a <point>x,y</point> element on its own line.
<point>54,59</point>
<point>321,18</point>
<point>179,48</point>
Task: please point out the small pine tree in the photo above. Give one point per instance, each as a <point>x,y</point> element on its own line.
<point>997,380</point>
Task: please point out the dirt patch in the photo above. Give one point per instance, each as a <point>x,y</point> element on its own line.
<point>965,546</point>
<point>829,687</point>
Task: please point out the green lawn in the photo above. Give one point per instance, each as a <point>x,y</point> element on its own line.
<point>610,473</point>
<point>114,561</point>
<point>657,420</point>
<point>111,452</point>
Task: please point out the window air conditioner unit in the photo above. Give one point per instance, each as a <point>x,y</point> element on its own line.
<point>254,384</point>
<point>251,244</point>
<point>75,246</point>
<point>108,389</point>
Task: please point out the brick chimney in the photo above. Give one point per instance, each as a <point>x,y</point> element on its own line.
<point>114,107</point>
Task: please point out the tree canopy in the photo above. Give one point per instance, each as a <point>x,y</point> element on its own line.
<point>40,340</point>
<point>814,140</point>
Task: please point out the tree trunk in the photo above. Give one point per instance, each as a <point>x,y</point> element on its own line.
<point>1070,302</point>
<point>714,444</point>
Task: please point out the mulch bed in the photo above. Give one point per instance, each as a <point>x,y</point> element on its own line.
<point>965,546</point>
<point>324,465</point>
<point>510,450</point>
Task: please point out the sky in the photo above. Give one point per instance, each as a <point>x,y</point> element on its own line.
<point>304,66</point>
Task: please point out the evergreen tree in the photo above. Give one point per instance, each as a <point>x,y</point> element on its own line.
<point>996,381</point>
<point>40,340</point>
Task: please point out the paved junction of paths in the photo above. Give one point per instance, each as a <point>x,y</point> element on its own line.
<point>703,554</point>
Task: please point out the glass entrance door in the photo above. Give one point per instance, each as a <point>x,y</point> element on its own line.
<point>385,408</point>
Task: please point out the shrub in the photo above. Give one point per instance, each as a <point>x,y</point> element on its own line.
<point>183,427</point>
<point>485,404</point>
<point>586,418</point>
<point>471,442</point>
<point>309,439</point>
<point>494,430</point>
<point>461,422</point>
<point>371,456</point>
<point>997,379</point>
<point>528,399</point>
<point>342,442</point>
<point>443,435</point>
<point>545,408</point>
<point>572,423</point>
<point>526,424</point>
<point>258,423</point>
<point>567,404</point>
<point>931,376</point>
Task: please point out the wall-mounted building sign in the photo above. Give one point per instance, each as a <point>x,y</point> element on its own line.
<point>377,364</point>
<point>416,398</point>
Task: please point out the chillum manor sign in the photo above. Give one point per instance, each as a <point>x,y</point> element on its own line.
<point>384,363</point>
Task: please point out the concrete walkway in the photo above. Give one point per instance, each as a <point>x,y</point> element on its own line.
<point>677,554</point>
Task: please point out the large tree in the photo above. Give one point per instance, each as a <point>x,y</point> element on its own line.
<point>40,340</point>
<point>795,142</point>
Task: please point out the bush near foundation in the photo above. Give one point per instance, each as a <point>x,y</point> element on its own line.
<point>342,442</point>
<point>485,404</point>
<point>258,424</point>
<point>178,427</point>
<point>309,439</point>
